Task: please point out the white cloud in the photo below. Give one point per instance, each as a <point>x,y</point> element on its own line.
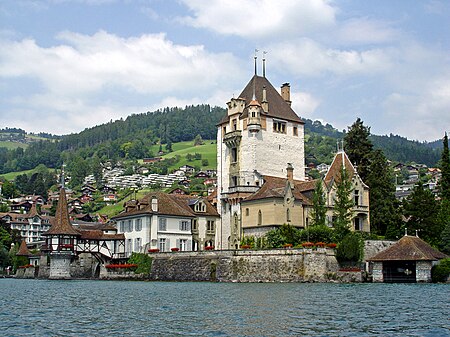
<point>260,18</point>
<point>363,30</point>
<point>305,57</point>
<point>304,104</point>
<point>424,115</point>
<point>73,75</point>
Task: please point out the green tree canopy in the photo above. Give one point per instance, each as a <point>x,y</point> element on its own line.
<point>343,204</point>
<point>319,210</point>
<point>421,209</point>
<point>358,147</point>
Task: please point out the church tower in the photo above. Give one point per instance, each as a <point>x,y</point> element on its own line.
<point>259,136</point>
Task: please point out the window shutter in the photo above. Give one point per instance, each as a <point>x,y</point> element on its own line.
<point>189,245</point>
<point>180,226</point>
<point>178,243</point>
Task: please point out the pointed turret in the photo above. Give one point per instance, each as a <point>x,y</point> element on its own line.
<point>62,224</point>
<point>23,250</point>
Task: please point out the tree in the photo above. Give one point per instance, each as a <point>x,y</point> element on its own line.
<point>358,147</point>
<point>319,210</point>
<point>421,209</point>
<point>9,190</point>
<point>445,170</point>
<point>198,140</point>
<point>343,204</point>
<point>444,187</point>
<point>350,249</point>
<point>383,205</point>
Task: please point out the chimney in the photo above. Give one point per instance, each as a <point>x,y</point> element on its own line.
<point>290,173</point>
<point>264,103</point>
<point>286,93</point>
<point>154,204</point>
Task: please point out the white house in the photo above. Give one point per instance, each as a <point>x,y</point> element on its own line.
<point>167,222</point>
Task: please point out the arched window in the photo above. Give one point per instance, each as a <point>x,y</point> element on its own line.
<point>259,218</point>
<point>288,215</point>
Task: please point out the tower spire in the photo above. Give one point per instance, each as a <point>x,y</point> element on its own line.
<point>264,63</point>
<point>256,57</point>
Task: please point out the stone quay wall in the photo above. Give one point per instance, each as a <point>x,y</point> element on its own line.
<point>276,265</point>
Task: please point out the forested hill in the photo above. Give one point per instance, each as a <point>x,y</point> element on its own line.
<point>133,137</point>
<point>395,148</point>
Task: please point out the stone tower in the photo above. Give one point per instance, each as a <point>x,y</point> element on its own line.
<point>259,136</point>
<point>61,241</point>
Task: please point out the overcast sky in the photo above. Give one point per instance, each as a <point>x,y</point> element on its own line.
<point>70,64</point>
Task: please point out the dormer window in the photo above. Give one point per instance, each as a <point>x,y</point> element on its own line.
<point>200,207</point>
<point>279,126</point>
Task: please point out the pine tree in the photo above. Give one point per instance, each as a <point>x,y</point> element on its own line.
<point>421,209</point>
<point>444,187</point>
<point>384,212</point>
<point>445,171</point>
<point>358,147</point>
<point>343,204</point>
<point>319,210</point>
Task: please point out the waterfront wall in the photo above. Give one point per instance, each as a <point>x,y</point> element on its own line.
<point>373,247</point>
<point>277,265</point>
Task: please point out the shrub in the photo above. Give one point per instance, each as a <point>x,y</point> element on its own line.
<point>317,234</point>
<point>143,262</point>
<point>350,249</point>
<point>441,271</point>
<point>284,234</point>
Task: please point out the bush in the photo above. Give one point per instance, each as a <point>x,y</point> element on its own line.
<point>143,261</point>
<point>276,238</point>
<point>317,234</point>
<point>350,249</point>
<point>441,271</point>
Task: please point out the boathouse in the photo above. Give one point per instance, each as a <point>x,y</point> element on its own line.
<point>409,260</point>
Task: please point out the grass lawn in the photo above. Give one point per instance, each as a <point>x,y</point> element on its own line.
<point>12,145</point>
<point>207,150</point>
<point>12,175</point>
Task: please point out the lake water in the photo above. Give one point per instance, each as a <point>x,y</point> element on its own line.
<point>114,308</point>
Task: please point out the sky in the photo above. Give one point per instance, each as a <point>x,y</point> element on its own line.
<point>66,65</point>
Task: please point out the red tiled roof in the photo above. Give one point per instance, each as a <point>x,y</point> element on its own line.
<point>274,187</point>
<point>333,174</point>
<point>278,108</point>
<point>23,249</point>
<point>62,223</point>
<point>409,248</point>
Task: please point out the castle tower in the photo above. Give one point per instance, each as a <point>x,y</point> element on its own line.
<point>61,241</point>
<point>259,136</point>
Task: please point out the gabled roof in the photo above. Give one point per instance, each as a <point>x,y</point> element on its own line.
<point>23,249</point>
<point>278,107</point>
<point>409,248</point>
<point>62,223</point>
<point>33,212</point>
<point>168,204</point>
<point>275,187</point>
<point>333,174</point>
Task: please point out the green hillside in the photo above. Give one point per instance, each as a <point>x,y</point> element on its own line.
<point>12,145</point>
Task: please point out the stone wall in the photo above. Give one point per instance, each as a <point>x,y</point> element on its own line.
<point>277,265</point>
<point>373,247</point>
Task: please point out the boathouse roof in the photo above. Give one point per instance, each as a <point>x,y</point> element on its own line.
<point>409,248</point>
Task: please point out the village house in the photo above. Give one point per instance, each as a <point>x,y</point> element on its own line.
<point>163,222</point>
<point>31,225</point>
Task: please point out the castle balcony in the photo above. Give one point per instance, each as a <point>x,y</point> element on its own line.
<point>233,138</point>
<point>242,189</point>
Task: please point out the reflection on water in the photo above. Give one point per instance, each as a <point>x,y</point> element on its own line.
<point>110,308</point>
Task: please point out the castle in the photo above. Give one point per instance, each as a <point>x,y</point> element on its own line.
<point>261,168</point>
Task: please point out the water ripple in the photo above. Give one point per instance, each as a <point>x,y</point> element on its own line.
<point>108,308</point>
